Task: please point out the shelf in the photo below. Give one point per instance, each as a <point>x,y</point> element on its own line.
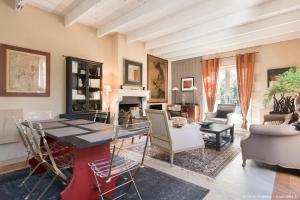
<point>79,74</point>
<point>94,77</point>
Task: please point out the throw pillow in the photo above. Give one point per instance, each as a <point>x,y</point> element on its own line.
<point>222,114</point>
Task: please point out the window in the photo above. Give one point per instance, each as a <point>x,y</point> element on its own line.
<point>227,91</point>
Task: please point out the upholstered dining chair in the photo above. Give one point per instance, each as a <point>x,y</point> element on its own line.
<point>173,140</point>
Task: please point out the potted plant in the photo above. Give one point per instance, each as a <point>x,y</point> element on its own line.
<point>287,83</point>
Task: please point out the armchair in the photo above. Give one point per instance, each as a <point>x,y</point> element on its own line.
<point>173,140</point>
<point>276,145</point>
<point>223,115</point>
<point>175,111</point>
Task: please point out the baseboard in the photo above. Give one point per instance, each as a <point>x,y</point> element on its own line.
<point>12,165</point>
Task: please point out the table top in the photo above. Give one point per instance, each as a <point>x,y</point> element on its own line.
<point>82,133</point>
<point>216,128</point>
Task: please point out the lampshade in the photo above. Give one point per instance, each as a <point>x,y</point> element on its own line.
<point>175,89</point>
<point>194,88</point>
<point>107,88</point>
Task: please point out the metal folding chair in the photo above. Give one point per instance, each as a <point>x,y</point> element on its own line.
<point>118,164</point>
<point>44,156</point>
<point>100,117</point>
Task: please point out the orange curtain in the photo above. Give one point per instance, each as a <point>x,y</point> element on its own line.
<point>210,71</point>
<point>245,71</point>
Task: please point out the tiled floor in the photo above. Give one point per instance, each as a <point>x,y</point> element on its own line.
<point>255,181</point>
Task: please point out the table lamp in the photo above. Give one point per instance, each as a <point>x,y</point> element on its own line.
<point>194,88</point>
<point>175,89</point>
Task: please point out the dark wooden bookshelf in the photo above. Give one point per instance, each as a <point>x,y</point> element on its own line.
<point>83,88</point>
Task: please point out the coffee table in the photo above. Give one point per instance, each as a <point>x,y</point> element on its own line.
<point>218,129</point>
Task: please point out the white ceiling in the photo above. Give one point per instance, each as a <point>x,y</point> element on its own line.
<point>179,29</point>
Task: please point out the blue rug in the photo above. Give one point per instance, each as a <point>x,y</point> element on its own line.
<point>152,184</point>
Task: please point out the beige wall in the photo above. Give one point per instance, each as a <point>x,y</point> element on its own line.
<point>277,55</point>
<point>130,51</point>
<point>36,29</point>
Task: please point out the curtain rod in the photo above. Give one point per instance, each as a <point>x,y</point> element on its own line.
<point>228,56</point>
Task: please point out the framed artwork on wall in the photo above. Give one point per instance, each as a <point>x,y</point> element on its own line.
<point>26,72</point>
<point>133,73</point>
<point>157,79</point>
<point>274,73</point>
<point>187,83</point>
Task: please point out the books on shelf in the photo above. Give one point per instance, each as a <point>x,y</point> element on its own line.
<point>94,83</point>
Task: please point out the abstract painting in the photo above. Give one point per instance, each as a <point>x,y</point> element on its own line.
<point>26,72</point>
<point>157,79</point>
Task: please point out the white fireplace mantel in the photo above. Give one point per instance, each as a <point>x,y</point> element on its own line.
<point>118,94</point>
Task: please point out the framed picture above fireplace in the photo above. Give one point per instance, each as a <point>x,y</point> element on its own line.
<point>133,73</point>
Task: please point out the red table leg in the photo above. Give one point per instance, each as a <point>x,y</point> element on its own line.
<point>82,185</point>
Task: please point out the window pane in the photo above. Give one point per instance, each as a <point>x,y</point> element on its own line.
<point>221,90</point>
<point>227,90</point>
<point>233,87</point>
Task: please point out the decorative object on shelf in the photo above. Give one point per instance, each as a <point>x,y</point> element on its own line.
<point>157,79</point>
<point>175,90</point>
<point>194,88</point>
<point>133,73</point>
<point>187,83</point>
<point>24,72</point>
<point>131,87</point>
<point>274,74</point>
<point>287,83</point>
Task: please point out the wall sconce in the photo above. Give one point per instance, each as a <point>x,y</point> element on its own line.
<point>106,91</point>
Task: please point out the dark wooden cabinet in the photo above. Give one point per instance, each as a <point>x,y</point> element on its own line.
<point>83,88</point>
<point>193,111</point>
<point>84,85</point>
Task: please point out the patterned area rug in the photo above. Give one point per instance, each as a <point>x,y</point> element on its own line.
<point>211,165</point>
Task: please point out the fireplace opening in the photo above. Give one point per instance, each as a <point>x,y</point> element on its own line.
<point>155,106</point>
<point>127,108</point>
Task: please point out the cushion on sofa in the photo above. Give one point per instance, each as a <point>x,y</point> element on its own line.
<point>222,113</point>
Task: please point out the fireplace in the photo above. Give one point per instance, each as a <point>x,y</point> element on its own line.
<point>124,99</point>
<point>126,106</point>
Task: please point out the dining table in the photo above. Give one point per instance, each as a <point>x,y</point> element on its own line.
<point>89,141</point>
